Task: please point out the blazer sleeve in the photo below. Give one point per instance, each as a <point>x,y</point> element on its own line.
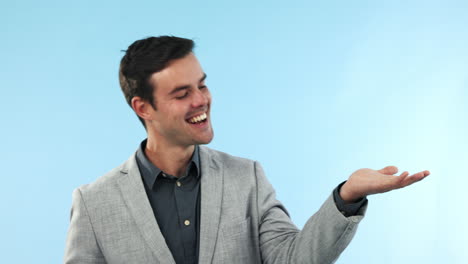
<point>81,245</point>
<point>325,235</point>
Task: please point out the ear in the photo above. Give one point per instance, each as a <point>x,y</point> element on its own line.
<point>142,108</point>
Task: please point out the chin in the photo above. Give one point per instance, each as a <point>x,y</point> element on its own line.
<point>205,140</point>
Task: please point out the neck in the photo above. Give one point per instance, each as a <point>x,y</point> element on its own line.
<point>169,158</point>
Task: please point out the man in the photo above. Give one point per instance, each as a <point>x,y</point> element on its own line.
<point>175,201</point>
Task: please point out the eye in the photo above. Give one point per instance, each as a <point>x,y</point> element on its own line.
<point>182,96</point>
<point>202,87</point>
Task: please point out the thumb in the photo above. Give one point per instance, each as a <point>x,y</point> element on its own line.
<point>389,170</point>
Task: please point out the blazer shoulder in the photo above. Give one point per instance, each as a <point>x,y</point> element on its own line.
<point>227,159</point>
<point>106,182</point>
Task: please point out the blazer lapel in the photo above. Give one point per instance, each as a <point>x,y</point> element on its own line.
<point>211,201</point>
<point>133,192</point>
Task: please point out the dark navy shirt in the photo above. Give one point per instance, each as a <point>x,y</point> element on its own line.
<point>347,209</point>
<point>176,204</point>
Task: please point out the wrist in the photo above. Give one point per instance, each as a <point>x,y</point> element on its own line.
<point>347,195</point>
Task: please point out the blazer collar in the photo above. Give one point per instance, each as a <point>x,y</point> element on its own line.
<point>211,201</point>
<point>133,192</point>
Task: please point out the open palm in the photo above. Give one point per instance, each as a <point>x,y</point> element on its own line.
<point>367,181</point>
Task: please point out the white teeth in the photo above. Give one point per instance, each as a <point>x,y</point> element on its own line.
<point>197,119</point>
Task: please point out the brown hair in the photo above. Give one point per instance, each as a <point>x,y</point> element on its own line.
<point>145,57</point>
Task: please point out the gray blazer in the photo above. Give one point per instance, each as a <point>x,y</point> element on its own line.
<point>241,221</point>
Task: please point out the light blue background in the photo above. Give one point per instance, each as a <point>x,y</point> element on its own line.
<point>314,90</point>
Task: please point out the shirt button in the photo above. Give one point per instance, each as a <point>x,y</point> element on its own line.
<point>187,222</point>
<point>178,183</point>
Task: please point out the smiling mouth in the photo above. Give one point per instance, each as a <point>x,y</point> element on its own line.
<point>197,119</point>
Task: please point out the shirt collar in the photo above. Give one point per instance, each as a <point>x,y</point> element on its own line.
<point>150,172</point>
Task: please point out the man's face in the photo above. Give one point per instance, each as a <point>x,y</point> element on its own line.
<point>182,115</point>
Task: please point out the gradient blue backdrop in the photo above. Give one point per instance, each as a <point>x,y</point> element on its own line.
<point>314,90</point>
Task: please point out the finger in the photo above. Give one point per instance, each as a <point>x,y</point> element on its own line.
<point>421,174</point>
<point>408,180</point>
<point>403,180</point>
<point>389,170</point>
<point>397,182</point>
<point>391,182</point>
<point>404,174</point>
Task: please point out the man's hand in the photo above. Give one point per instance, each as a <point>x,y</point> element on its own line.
<point>366,181</point>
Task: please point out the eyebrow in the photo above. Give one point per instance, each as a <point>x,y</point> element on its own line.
<point>184,87</point>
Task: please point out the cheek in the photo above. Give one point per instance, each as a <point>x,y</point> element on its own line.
<point>171,111</point>
<point>208,95</point>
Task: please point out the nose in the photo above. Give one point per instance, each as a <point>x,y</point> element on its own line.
<point>200,98</point>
